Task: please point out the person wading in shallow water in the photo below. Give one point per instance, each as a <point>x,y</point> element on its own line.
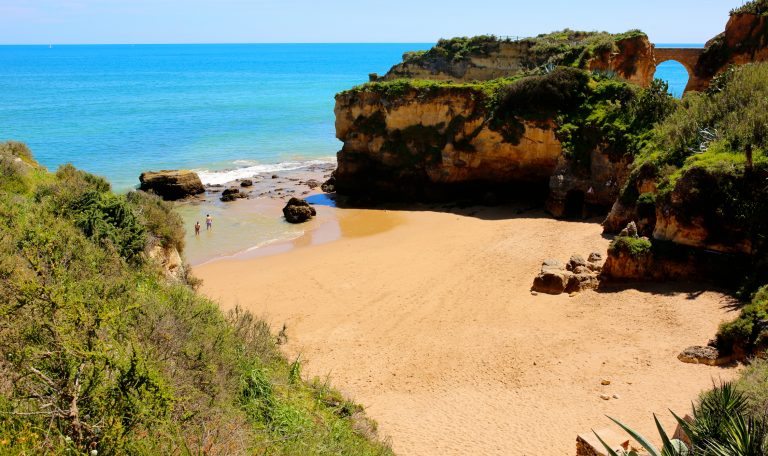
<point>208,222</point>
<point>197,228</point>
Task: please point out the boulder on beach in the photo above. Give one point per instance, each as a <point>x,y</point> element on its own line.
<point>298,211</point>
<point>231,194</point>
<point>704,355</point>
<point>553,278</point>
<point>171,184</point>
<point>246,183</point>
<point>574,276</point>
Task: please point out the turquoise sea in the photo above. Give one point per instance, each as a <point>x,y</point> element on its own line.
<point>118,110</point>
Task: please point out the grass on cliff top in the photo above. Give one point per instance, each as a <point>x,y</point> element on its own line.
<point>98,351</point>
<point>564,47</point>
<point>757,7</point>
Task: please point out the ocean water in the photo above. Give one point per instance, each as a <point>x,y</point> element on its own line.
<point>225,110</point>
<point>119,110</point>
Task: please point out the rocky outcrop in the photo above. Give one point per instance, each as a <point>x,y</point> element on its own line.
<point>576,275</point>
<point>418,144</point>
<point>632,60</point>
<point>707,355</point>
<point>171,184</point>
<point>298,211</point>
<point>170,261</point>
<point>744,40</point>
<point>232,194</point>
<point>496,60</point>
<point>630,57</point>
<point>634,258</point>
<point>709,219</point>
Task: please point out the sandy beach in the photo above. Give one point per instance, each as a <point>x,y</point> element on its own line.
<point>427,319</point>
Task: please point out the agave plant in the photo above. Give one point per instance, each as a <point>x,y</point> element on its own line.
<point>720,427</point>
<point>671,447</point>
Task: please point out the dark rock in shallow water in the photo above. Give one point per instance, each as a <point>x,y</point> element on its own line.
<point>246,183</point>
<point>171,184</point>
<point>232,194</point>
<point>298,211</point>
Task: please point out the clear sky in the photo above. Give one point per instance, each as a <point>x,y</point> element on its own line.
<point>305,21</point>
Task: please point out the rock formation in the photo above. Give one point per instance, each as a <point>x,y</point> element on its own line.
<point>231,194</point>
<point>484,58</point>
<point>704,355</point>
<point>171,184</point>
<point>576,275</point>
<point>416,144</point>
<point>298,211</point>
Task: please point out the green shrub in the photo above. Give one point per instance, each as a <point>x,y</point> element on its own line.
<point>635,247</point>
<point>100,353</point>
<point>744,332</point>
<point>158,219</point>
<point>646,205</point>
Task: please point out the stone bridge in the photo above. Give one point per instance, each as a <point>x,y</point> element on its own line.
<point>689,58</point>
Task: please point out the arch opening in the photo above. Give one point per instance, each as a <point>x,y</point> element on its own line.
<point>675,74</point>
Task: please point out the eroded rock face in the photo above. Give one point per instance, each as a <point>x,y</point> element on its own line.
<point>171,184</point>
<point>298,211</point>
<point>413,145</point>
<point>633,62</point>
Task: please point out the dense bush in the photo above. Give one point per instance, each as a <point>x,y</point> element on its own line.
<point>99,352</point>
<point>748,332</point>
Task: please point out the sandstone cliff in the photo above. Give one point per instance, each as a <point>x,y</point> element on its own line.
<point>429,140</point>
<point>744,40</point>
<point>416,145</point>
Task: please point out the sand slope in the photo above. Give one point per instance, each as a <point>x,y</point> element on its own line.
<point>432,326</point>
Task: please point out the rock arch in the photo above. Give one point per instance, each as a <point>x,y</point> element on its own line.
<point>689,58</point>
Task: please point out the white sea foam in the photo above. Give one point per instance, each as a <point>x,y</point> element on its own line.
<point>252,170</point>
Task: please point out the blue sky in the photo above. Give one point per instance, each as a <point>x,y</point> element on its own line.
<point>283,21</point>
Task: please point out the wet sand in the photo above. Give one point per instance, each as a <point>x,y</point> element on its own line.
<point>427,319</point>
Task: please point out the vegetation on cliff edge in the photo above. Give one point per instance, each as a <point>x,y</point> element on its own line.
<point>100,354</point>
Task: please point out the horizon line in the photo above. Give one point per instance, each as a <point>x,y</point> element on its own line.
<point>263,42</point>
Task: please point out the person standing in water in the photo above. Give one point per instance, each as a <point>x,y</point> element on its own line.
<point>208,222</point>
<point>197,228</point>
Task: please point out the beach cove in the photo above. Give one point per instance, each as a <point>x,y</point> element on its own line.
<point>431,325</point>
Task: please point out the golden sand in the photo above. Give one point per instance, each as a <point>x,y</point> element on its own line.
<point>427,319</point>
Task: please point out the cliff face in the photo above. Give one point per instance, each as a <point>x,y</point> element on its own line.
<point>633,60</point>
<point>744,40</point>
<point>414,146</point>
